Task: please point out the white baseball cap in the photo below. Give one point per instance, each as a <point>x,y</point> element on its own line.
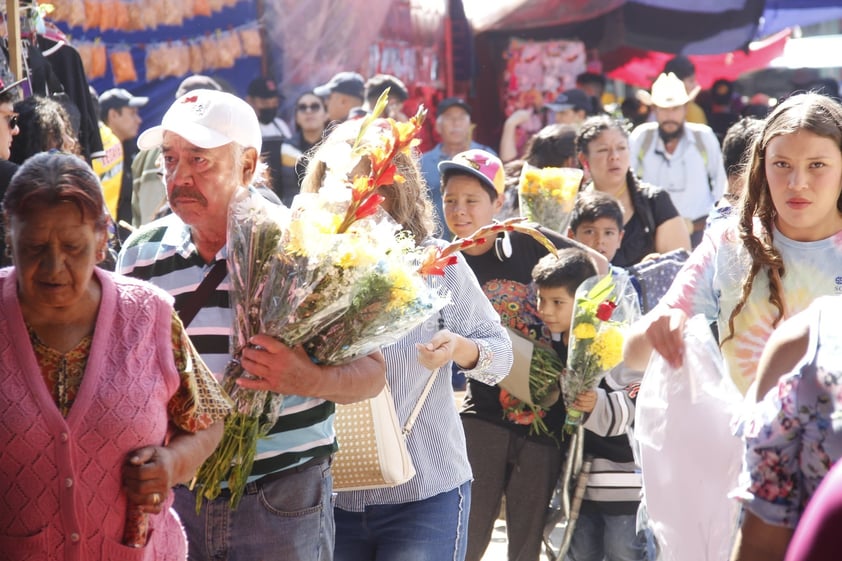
<point>208,119</point>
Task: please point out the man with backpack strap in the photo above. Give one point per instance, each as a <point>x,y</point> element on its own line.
<point>680,157</point>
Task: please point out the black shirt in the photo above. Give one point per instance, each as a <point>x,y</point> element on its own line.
<point>508,285</point>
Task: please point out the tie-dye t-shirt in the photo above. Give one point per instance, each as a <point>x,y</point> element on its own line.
<point>711,283</point>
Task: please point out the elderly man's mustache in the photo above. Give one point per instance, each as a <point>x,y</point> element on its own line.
<point>188,193</point>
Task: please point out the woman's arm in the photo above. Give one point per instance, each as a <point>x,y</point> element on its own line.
<point>662,331</point>
<point>150,472</point>
<point>671,235</point>
<point>759,541</point>
<point>446,346</point>
<point>508,148</point>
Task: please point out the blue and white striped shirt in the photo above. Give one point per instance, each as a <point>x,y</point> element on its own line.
<point>437,441</point>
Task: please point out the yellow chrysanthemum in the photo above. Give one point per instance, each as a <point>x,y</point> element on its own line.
<point>403,288</point>
<point>357,252</point>
<point>584,331</point>
<point>608,347</point>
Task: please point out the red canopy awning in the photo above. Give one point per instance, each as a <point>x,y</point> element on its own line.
<point>640,68</point>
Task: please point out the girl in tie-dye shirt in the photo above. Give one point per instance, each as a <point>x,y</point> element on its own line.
<point>781,252</point>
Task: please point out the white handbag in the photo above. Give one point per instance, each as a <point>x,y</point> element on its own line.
<point>372,445</point>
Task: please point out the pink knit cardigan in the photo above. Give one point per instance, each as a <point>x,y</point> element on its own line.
<point>60,478</point>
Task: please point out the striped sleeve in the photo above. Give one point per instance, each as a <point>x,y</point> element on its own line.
<point>615,403</point>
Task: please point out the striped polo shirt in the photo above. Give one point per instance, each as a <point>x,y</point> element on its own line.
<point>162,252</point>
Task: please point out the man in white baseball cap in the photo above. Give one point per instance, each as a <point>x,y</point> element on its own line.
<point>680,157</point>
<point>210,143</point>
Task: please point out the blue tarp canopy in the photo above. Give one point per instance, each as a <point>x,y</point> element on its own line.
<point>161,92</point>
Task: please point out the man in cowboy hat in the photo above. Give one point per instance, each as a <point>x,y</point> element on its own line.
<point>682,158</point>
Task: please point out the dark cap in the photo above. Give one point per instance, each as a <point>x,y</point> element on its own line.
<point>450,102</point>
<point>591,78</point>
<point>197,82</point>
<point>348,83</point>
<point>263,87</point>
<point>681,66</point>
<point>117,98</point>
<point>377,84</point>
<point>574,99</point>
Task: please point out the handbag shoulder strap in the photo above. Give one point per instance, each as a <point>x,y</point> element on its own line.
<point>410,421</point>
<point>189,307</point>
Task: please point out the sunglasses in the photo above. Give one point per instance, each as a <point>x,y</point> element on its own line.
<point>309,106</point>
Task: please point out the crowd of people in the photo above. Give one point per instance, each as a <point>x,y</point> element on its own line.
<point>119,385</point>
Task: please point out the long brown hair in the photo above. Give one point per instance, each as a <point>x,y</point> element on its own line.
<point>810,112</point>
<point>408,202</point>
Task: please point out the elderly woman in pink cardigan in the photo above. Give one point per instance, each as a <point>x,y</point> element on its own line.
<point>105,405</point>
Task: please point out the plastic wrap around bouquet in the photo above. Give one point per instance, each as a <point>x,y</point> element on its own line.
<point>604,307</point>
<point>547,195</point>
<point>334,273</point>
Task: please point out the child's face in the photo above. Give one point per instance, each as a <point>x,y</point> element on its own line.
<point>555,307</point>
<point>804,171</point>
<point>467,205</point>
<point>602,235</point>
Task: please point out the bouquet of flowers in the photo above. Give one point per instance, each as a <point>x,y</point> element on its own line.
<point>334,274</point>
<point>545,368</point>
<point>604,306</point>
<point>547,195</point>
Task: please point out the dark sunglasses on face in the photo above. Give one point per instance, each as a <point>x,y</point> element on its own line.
<point>309,106</point>
<point>12,120</point>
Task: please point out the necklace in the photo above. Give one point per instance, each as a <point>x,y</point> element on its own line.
<point>622,191</point>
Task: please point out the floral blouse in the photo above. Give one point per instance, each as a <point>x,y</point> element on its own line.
<point>794,434</point>
<point>197,404</point>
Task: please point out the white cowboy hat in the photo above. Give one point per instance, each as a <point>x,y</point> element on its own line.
<point>667,91</point>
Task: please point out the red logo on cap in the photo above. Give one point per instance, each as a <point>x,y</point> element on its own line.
<point>191,99</point>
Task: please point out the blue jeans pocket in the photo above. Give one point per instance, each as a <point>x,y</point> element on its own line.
<point>298,494</point>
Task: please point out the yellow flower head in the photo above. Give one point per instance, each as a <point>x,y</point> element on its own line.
<point>608,347</point>
<point>584,331</point>
<point>356,251</point>
<point>404,289</point>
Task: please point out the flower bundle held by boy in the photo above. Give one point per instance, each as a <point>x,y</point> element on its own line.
<point>334,273</point>
<point>602,310</point>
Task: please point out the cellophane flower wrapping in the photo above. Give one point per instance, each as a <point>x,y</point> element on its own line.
<point>603,309</point>
<point>547,195</point>
<point>334,273</point>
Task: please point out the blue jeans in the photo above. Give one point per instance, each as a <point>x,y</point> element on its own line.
<point>433,529</point>
<point>599,536</point>
<point>287,516</point>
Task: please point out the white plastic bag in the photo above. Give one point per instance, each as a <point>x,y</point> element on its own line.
<point>689,457</point>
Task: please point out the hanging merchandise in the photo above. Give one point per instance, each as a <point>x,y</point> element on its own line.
<point>93,14</point>
<point>122,66</point>
<point>412,64</point>
<point>536,72</point>
<point>71,12</point>
<point>251,40</point>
